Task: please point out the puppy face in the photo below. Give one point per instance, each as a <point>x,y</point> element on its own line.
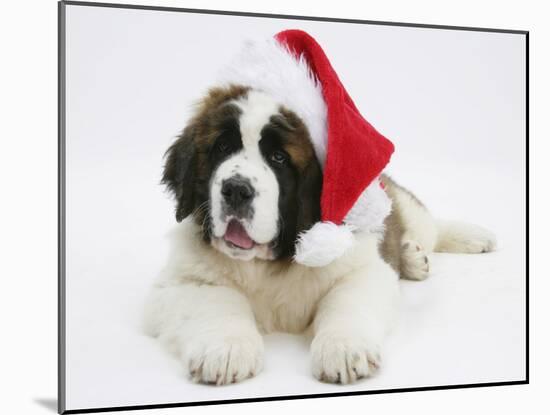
<point>246,170</point>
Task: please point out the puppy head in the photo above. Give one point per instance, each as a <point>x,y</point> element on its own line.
<point>245,169</point>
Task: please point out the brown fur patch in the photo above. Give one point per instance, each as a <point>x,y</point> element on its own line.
<point>211,113</point>
<point>218,96</point>
<point>297,140</point>
<point>187,170</point>
<point>209,121</point>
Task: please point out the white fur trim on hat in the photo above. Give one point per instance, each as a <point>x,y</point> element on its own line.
<point>269,66</point>
<point>370,210</point>
<point>322,244</point>
<point>326,241</point>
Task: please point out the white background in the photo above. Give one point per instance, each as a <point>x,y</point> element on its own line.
<point>30,174</point>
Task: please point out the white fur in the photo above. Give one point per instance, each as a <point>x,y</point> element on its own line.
<point>460,237</point>
<point>257,108</point>
<point>370,209</point>
<point>322,244</point>
<point>417,220</point>
<point>415,264</point>
<point>268,66</point>
<point>325,241</point>
<point>431,235</point>
<point>210,309</point>
<point>424,235</point>
<point>353,319</point>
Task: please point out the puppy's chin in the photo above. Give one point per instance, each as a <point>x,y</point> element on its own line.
<point>260,251</point>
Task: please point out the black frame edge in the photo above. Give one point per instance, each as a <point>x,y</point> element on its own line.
<point>292,17</point>
<point>61,329</point>
<point>291,397</point>
<point>527,258</point>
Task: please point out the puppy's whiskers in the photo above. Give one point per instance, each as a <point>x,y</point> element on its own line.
<point>205,225</point>
<point>203,211</point>
<point>199,210</point>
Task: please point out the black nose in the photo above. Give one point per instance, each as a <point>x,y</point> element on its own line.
<point>237,192</point>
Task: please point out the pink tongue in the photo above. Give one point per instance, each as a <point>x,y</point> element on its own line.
<point>236,234</point>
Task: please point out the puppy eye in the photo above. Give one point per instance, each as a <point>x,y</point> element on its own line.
<point>279,157</point>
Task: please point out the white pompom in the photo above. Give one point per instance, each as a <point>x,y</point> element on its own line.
<point>322,244</point>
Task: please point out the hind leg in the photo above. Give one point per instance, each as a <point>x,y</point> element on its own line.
<point>459,237</point>
<point>411,234</point>
<point>417,241</point>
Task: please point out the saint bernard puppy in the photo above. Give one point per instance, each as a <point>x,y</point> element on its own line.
<point>247,182</point>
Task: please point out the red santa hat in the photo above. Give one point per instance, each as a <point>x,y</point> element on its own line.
<point>293,68</point>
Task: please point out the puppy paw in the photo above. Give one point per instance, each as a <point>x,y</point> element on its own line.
<point>464,238</point>
<point>479,241</point>
<point>343,359</point>
<point>224,361</point>
<point>415,264</point>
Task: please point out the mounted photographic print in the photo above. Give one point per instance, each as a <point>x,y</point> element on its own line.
<point>258,207</point>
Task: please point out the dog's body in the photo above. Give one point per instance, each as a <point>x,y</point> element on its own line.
<point>230,275</point>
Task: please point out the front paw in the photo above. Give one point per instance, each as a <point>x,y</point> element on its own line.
<point>343,358</point>
<point>223,361</point>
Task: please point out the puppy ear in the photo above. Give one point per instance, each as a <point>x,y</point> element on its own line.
<point>309,196</point>
<point>180,171</point>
